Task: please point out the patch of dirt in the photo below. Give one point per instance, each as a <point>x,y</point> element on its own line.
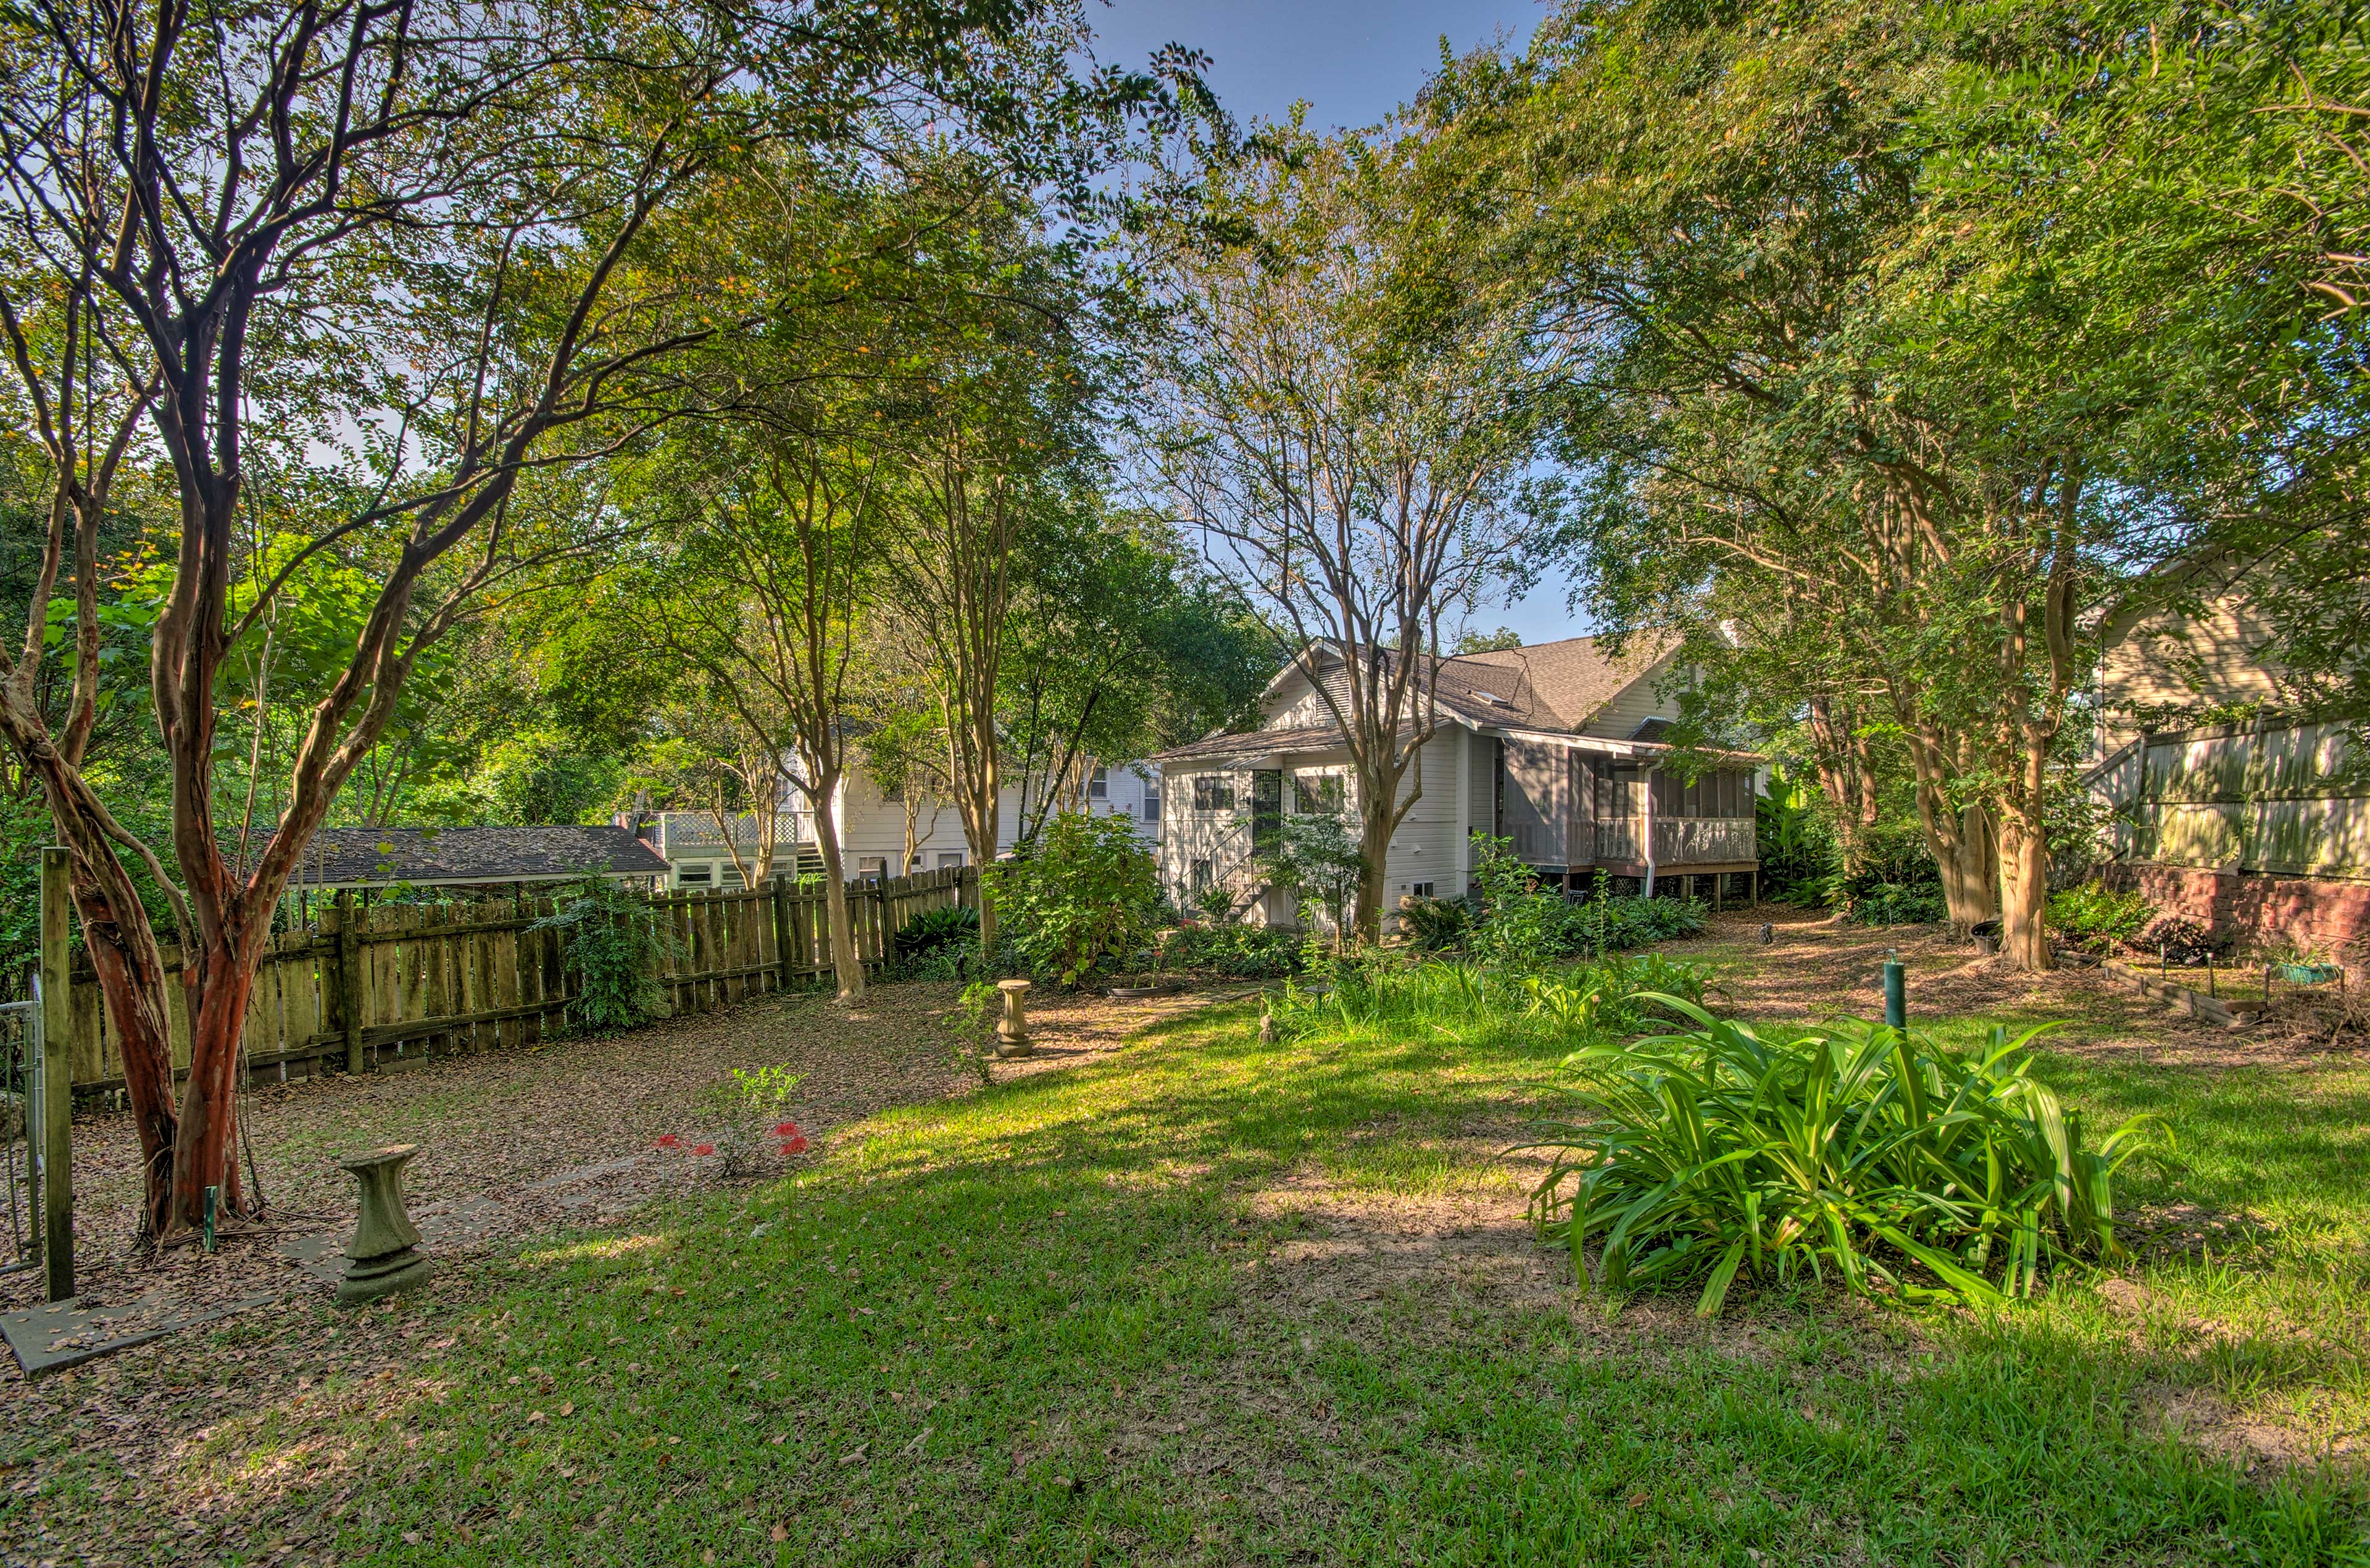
<point>1358,1246</point>
<point>2204,1420</point>
<point>1818,967</point>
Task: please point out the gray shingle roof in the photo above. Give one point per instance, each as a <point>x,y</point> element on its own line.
<point>1564,683</point>
<point>1253,743</point>
<point>380,857</point>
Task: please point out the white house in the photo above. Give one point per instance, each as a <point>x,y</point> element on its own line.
<point>872,828</point>
<point>1554,746</point>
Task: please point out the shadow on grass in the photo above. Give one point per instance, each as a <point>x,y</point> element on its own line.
<point>1055,1321</point>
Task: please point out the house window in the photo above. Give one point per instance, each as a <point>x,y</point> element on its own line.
<point>1422,889</point>
<point>693,875</point>
<point>1200,875</point>
<point>1313,795</point>
<point>1098,784</point>
<point>874,866</point>
<point>728,874</point>
<point>949,858</point>
<point>1152,803</point>
<point>1213,792</point>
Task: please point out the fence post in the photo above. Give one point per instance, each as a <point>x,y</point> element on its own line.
<point>57,1080</point>
<point>346,966</point>
<point>781,901</point>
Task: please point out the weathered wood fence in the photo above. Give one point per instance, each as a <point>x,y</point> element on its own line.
<point>398,984</point>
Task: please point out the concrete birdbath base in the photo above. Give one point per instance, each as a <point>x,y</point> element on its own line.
<point>383,1255</point>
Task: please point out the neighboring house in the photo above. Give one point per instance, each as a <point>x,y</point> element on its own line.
<point>471,857</point>
<point>1554,746</point>
<point>871,825</point>
<point>2257,824</point>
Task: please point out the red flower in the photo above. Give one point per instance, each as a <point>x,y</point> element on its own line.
<point>785,1129</point>
<point>669,1140</point>
<point>704,1150</point>
<point>794,1144</point>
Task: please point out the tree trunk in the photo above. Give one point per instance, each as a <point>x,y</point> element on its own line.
<point>209,1119</point>
<point>123,948</point>
<point>1373,849</point>
<point>846,963</point>
<point>2024,863</point>
<point>1965,852</point>
<point>978,828</point>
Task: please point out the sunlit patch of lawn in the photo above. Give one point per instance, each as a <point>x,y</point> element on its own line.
<point>1044,1323</point>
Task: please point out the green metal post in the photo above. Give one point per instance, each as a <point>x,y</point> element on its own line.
<point>1896,994</point>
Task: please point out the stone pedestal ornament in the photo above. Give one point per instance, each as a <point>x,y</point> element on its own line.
<point>1012,1029</point>
<point>383,1251</point>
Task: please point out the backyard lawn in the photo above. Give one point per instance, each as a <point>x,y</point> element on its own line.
<point>1202,1299</point>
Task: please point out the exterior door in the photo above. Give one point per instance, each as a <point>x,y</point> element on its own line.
<point>1267,808</point>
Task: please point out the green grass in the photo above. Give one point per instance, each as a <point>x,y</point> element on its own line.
<point>1054,1322</point>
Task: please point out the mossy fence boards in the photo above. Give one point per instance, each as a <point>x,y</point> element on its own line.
<point>431,980</point>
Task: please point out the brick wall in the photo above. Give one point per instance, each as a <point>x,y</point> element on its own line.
<point>2250,905</point>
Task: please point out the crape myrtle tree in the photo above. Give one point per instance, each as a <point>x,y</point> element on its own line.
<point>456,243</point>
<point>1340,418</point>
<point>998,444</point>
<point>769,577</point>
<point>1849,368</point>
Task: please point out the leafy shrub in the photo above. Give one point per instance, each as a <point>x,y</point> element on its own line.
<point>1799,857</point>
<point>616,949</point>
<point>1433,924</point>
<point>2097,921</point>
<point>933,930</point>
<point>748,1099</point>
<point>1315,858</point>
<point>1606,925</point>
<point>1891,903</point>
<point>1712,1152</point>
<point>1236,952</point>
<point>1086,888</point>
<point>1522,924</point>
<point>2180,941</point>
<point>1214,903</point>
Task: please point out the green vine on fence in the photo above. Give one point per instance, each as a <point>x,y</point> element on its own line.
<point>614,951</point>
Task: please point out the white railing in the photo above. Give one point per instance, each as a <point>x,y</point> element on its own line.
<point>692,833</point>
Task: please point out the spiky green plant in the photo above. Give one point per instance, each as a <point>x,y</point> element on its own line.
<point>1868,1151</point>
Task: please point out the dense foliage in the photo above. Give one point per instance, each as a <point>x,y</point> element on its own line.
<point>1868,1154</point>
<point>614,952</point>
<point>1084,892</point>
<point>928,940</point>
<point>2097,920</point>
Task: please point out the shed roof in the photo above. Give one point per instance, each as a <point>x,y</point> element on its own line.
<point>383,857</point>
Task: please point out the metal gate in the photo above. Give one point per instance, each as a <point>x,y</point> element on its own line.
<point>20,1100</point>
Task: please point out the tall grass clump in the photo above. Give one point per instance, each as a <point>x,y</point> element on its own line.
<point>1872,1152</point>
<point>1618,994</point>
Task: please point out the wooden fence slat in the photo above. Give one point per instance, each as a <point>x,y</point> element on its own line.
<point>503,946</point>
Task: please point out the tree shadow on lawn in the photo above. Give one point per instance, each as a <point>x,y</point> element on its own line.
<point>1211,1301</point>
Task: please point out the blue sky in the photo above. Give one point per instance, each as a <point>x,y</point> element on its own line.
<point>1353,62</point>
